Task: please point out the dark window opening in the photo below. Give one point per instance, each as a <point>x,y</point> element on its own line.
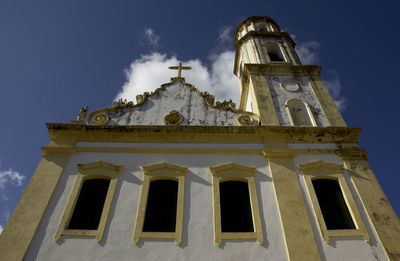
<point>235,205</point>
<point>90,203</point>
<point>161,206</point>
<point>333,206</point>
<point>275,57</point>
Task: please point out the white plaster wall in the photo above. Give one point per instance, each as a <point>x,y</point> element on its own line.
<point>345,248</point>
<point>198,232</point>
<point>178,97</point>
<point>280,97</point>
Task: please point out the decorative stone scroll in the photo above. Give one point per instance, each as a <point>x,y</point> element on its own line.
<point>173,118</point>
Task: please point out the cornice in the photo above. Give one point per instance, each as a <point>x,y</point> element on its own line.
<point>212,134</point>
<point>266,35</point>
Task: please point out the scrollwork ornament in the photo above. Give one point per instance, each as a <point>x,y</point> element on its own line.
<point>100,119</point>
<point>245,120</point>
<point>173,118</point>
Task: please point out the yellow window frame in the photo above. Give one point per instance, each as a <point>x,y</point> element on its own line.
<point>156,172</point>
<point>234,171</point>
<point>99,169</point>
<point>325,170</point>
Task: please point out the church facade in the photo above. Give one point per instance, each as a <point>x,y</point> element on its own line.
<point>176,175</point>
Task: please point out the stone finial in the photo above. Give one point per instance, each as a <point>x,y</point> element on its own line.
<point>81,115</point>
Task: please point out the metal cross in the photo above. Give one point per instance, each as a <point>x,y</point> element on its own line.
<point>179,68</point>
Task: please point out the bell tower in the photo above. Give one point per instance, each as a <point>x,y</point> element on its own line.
<point>273,82</point>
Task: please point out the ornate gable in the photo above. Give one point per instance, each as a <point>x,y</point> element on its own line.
<point>175,103</point>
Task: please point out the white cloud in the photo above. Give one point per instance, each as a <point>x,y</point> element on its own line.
<point>150,71</point>
<point>225,34</point>
<point>308,52</point>
<point>332,83</point>
<point>10,176</point>
<point>151,37</point>
<point>1,229</point>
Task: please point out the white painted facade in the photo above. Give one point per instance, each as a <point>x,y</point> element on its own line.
<point>198,232</point>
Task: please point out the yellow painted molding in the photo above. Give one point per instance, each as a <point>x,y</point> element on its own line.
<point>225,169</point>
<point>99,169</point>
<point>280,69</point>
<point>296,226</point>
<point>325,170</point>
<point>320,166</point>
<point>384,219</point>
<point>234,171</point>
<point>100,164</point>
<point>201,134</point>
<point>353,154</point>
<point>58,150</point>
<point>24,221</point>
<point>158,171</point>
<point>148,170</point>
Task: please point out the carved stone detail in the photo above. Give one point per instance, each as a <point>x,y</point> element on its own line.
<point>245,120</point>
<point>100,119</point>
<point>173,118</point>
<point>81,115</point>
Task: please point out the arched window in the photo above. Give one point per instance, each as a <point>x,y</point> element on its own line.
<point>274,52</point>
<point>333,206</point>
<point>235,207</point>
<point>236,211</point>
<point>161,206</point>
<point>160,209</point>
<point>300,113</point>
<point>90,203</point>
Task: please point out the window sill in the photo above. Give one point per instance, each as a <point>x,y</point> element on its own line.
<point>158,235</point>
<point>346,233</point>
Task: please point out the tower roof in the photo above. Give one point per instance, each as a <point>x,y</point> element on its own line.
<point>257,19</point>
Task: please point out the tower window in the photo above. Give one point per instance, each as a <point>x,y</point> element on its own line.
<point>333,206</point>
<point>90,203</point>
<point>263,27</point>
<point>299,113</point>
<point>161,206</point>
<point>275,53</point>
<point>235,207</point>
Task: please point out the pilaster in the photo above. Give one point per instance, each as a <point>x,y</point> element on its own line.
<point>299,236</point>
<point>24,221</point>
<point>380,212</point>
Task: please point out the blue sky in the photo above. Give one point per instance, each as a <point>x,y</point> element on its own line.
<point>56,56</point>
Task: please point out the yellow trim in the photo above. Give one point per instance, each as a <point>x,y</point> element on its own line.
<point>296,225</point>
<point>25,219</point>
<point>195,134</point>
<point>384,219</point>
<point>262,100</point>
<point>320,169</point>
<point>99,169</point>
<point>160,171</point>
<point>233,171</point>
